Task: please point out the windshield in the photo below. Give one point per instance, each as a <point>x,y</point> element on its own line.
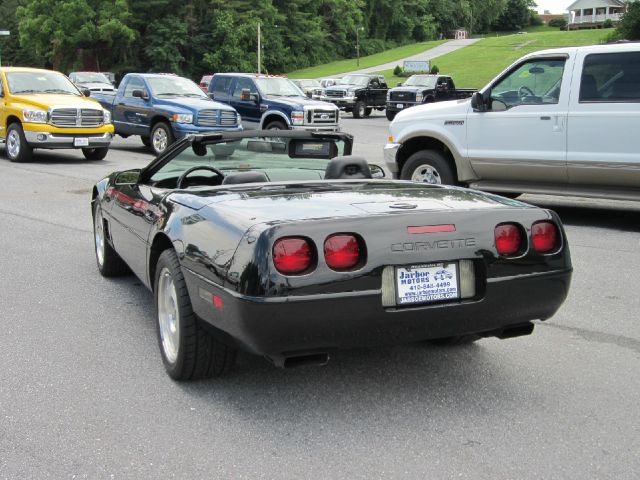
<point>310,83</point>
<point>421,81</point>
<point>359,80</point>
<point>40,82</point>
<point>278,87</point>
<point>170,86</point>
<point>279,158</point>
<point>90,77</point>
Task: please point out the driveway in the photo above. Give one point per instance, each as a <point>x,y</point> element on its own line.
<point>430,54</point>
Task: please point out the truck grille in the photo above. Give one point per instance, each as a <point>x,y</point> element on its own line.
<point>77,117</point>
<point>336,93</point>
<point>322,117</point>
<point>403,96</point>
<point>215,118</point>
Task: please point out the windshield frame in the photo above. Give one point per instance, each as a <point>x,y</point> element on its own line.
<point>363,83</point>
<point>79,77</point>
<point>11,78</point>
<point>432,84</point>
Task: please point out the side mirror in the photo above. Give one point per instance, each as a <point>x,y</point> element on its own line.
<point>478,102</point>
<point>399,84</point>
<point>255,97</point>
<point>128,177</point>
<point>245,95</point>
<point>140,94</point>
<point>86,92</point>
<point>210,95</point>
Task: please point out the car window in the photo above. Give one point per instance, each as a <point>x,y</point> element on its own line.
<point>534,82</point>
<point>134,83</point>
<point>241,84</point>
<point>1,87</point>
<point>221,85</point>
<point>611,77</point>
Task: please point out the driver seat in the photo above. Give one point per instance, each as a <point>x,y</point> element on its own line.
<point>347,167</point>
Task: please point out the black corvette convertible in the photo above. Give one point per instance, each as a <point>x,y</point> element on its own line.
<point>285,245</point>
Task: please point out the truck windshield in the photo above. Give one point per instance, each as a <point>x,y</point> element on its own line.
<point>28,83</point>
<point>359,80</point>
<point>90,77</point>
<point>420,81</point>
<point>170,86</point>
<point>278,87</point>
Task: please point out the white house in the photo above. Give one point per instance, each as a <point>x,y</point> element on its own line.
<point>595,12</point>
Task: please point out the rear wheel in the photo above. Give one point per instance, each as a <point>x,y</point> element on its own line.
<point>276,125</point>
<point>161,138</point>
<point>428,166</point>
<point>359,109</point>
<point>390,115</point>
<point>109,262</point>
<point>95,153</point>
<point>188,351</point>
<point>17,148</point>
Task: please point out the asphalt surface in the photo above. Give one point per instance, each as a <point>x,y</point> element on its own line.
<point>83,393</point>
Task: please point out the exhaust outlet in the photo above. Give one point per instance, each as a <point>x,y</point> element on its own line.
<point>517,331</point>
<point>315,359</point>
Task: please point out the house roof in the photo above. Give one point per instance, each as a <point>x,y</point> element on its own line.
<point>581,4</point>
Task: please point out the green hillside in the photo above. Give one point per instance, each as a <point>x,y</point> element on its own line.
<point>475,65</point>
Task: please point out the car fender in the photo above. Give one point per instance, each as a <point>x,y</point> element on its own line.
<point>277,113</point>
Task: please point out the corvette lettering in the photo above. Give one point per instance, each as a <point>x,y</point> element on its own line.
<point>435,245</point>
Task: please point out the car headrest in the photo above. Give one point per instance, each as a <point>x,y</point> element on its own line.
<point>252,176</point>
<point>347,167</point>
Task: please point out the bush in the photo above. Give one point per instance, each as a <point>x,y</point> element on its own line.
<point>629,26</point>
<point>434,70</point>
<point>561,23</point>
<point>534,18</point>
<point>397,71</point>
<point>608,23</point>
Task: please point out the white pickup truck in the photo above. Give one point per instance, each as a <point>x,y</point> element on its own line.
<point>563,121</point>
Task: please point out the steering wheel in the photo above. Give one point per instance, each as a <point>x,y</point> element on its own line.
<point>182,177</point>
<point>525,91</point>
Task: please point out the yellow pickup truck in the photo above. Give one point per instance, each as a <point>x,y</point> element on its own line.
<point>43,109</point>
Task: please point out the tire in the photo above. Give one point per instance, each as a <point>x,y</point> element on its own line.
<point>455,341</point>
<point>276,125</point>
<point>109,262</point>
<point>390,115</point>
<point>95,153</point>
<point>359,109</point>
<point>146,141</point>
<point>16,146</point>
<point>189,352</point>
<point>367,111</point>
<point>161,138</point>
<point>428,166</point>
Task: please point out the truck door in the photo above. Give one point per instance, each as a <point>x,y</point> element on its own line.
<point>604,114</point>
<point>130,114</point>
<point>375,93</point>
<point>249,110</point>
<point>522,138</point>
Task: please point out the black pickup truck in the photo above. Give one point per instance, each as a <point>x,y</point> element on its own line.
<point>359,94</point>
<point>419,89</point>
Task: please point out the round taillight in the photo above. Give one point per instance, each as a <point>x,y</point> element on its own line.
<point>292,255</point>
<point>544,237</point>
<point>508,239</point>
<point>342,251</point>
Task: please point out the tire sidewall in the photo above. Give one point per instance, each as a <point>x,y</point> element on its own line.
<point>276,125</point>
<point>24,153</point>
<point>359,109</point>
<point>433,159</point>
<point>168,132</point>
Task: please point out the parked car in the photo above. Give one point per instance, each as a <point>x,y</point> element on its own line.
<point>204,82</point>
<point>282,244</point>
<point>111,76</point>
<point>163,107</point>
<point>43,109</point>
<point>310,87</point>
<point>93,81</point>
<point>328,82</point>
<point>560,121</point>
<point>359,94</point>
<point>419,89</point>
<point>272,102</point>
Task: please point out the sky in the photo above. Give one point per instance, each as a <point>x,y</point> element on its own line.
<point>554,6</point>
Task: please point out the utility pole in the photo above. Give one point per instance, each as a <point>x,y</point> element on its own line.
<point>358,45</point>
<point>259,47</point>
<point>3,33</point>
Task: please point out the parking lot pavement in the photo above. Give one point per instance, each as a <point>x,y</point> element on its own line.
<point>83,393</point>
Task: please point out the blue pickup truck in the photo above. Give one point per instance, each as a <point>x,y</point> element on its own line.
<point>161,108</point>
<point>268,102</point>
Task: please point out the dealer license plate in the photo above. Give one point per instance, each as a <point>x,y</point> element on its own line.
<point>80,142</point>
<point>400,105</point>
<point>434,282</point>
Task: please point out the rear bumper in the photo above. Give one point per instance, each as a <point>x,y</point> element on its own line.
<point>276,326</point>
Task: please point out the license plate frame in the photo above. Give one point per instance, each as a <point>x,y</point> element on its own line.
<point>427,283</point>
<point>81,142</point>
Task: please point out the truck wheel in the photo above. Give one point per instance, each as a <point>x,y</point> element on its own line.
<point>161,138</point>
<point>17,148</point>
<point>390,115</point>
<point>188,350</point>
<point>95,153</point>
<point>359,109</point>
<point>146,141</point>
<point>109,262</point>
<point>276,125</point>
<point>367,111</point>
<point>428,166</point>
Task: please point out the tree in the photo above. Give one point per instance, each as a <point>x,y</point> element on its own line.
<point>629,26</point>
<point>515,16</point>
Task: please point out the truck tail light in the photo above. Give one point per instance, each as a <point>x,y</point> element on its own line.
<point>508,238</point>
<point>544,237</point>
<point>343,251</point>
<point>293,255</point>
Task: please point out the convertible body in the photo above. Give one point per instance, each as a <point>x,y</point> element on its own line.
<point>294,269</point>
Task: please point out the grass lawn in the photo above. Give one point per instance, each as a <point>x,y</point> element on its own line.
<point>475,65</point>
<point>341,66</point>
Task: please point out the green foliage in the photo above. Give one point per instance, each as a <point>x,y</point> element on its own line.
<point>397,71</point>
<point>560,23</point>
<point>515,16</point>
<point>434,69</point>
<point>535,19</point>
<point>608,23</point>
<point>629,27</point>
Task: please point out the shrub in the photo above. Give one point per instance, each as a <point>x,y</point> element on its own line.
<point>561,23</point>
<point>608,23</point>
<point>434,70</point>
<point>397,71</point>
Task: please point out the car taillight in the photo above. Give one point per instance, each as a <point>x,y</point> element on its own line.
<point>544,237</point>
<point>342,251</point>
<point>292,255</point>
<point>508,239</point>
